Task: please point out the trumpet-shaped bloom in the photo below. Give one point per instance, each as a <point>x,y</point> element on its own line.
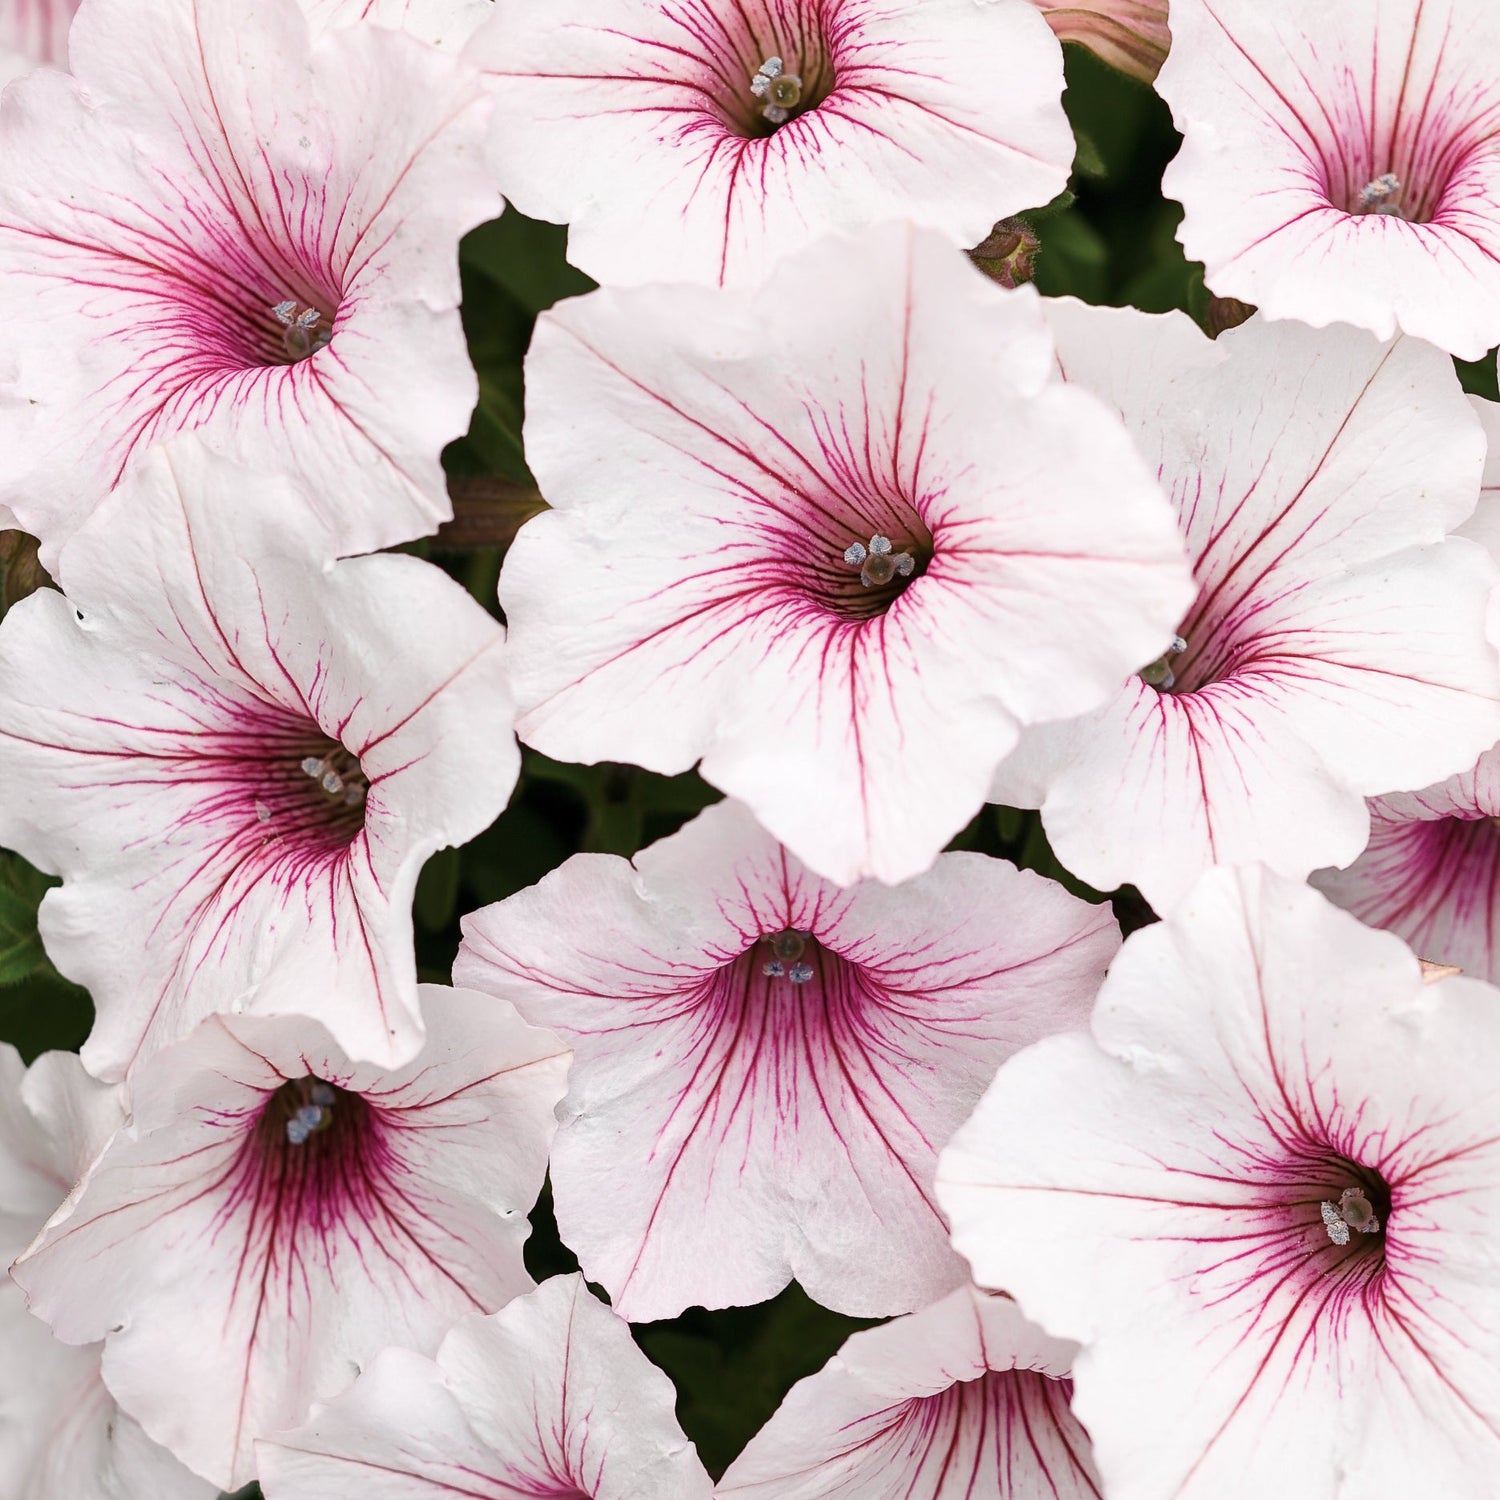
<point>231,221</point>
<point>766,1065</point>
<point>238,762</point>
<point>548,1397</point>
<point>61,1433</point>
<point>1263,1196</point>
<point>1431,871</point>
<point>275,1215</point>
<point>815,557</point>
<point>700,140</point>
<point>441,23</point>
<point>32,32</point>
<point>1342,163</point>
<point>962,1399</point>
<point>1337,648</point>
<point>1130,35</point>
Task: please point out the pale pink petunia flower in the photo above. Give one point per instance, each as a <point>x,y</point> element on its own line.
<point>766,1064</point>
<point>239,761</point>
<point>549,1397</point>
<point>804,545</point>
<point>274,1215</point>
<point>1337,648</point>
<point>701,140</point>
<point>1264,1197</point>
<point>961,1400</point>
<point>61,1434</point>
<point>1341,163</point>
<point>232,221</point>
<point>442,23</point>
<point>1130,35</point>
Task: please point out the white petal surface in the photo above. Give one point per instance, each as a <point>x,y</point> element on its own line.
<point>237,1276</point>
<point>1253,1057</point>
<point>548,1397</point>
<point>713,615</point>
<point>726,1129</point>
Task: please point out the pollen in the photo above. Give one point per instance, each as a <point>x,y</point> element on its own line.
<point>1382,196</point>
<point>1352,1211</point>
<point>1160,674</point>
<point>303,330</point>
<point>338,776</point>
<point>879,563</point>
<point>314,1115</point>
<point>788,946</point>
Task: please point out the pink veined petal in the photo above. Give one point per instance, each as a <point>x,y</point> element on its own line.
<point>961,1399</point>
<point>549,1397</point>
<point>443,23</point>
<point>159,207</point>
<point>236,1274</point>
<point>1296,122</point>
<point>1431,871</point>
<point>1157,1192</point>
<point>1130,35</point>
<point>33,32</point>
<point>736,1116</point>
<point>635,122</point>
<point>1339,645</point>
<point>60,1430</point>
<point>156,746</point>
<point>716,618</point>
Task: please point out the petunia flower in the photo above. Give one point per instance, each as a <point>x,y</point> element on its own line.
<point>767,1065</point>
<point>547,1397</point>
<point>701,588</point>
<point>239,761</point>
<point>1130,35</point>
<point>1337,648</point>
<point>442,23</point>
<point>962,1399</point>
<point>701,140</point>
<point>1262,1195</point>
<point>1341,164</point>
<point>275,1215</point>
<point>227,221</point>
<point>61,1434</point>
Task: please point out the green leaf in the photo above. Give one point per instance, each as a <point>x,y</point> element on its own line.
<point>21,892</point>
<point>436,900</point>
<point>526,257</point>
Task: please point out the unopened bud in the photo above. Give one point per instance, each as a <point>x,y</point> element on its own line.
<point>1007,254</point>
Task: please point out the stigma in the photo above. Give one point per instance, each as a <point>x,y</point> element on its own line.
<point>878,563</point>
<point>1352,1211</point>
<point>303,330</point>
<point>788,946</point>
<point>781,90</point>
<point>1160,674</point>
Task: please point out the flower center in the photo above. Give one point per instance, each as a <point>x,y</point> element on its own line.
<point>1160,674</point>
<point>337,775</point>
<point>313,1102</point>
<point>1382,196</point>
<point>304,330</point>
<point>788,961</point>
<point>1352,1211</point>
<point>781,90</point>
<point>879,564</point>
<point>311,793</point>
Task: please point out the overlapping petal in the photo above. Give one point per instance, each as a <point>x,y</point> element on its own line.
<point>443,23</point>
<point>1342,164</point>
<point>962,1399</point>
<point>1130,35</point>
<point>641,125</point>
<point>1338,645</point>
<point>1263,1196</point>
<point>547,1397</point>
<point>61,1433</point>
<point>231,221</point>
<point>238,1270</point>
<point>32,32</point>
<point>742,1113</point>
<point>240,761</point>
<point>697,590</point>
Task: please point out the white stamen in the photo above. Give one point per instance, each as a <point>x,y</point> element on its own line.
<point>262,812</point>
<point>332,783</point>
<point>774,970</point>
<point>775,114</point>
<point>354,794</point>
<point>322,1094</point>
<point>880,545</point>
<point>302,335</point>
<point>879,564</point>
<point>1380,195</point>
<point>314,767</point>
<point>855,555</point>
<point>284,312</point>
<point>1333,1222</point>
<point>800,973</point>
<point>296,1132</point>
<point>1159,674</point>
